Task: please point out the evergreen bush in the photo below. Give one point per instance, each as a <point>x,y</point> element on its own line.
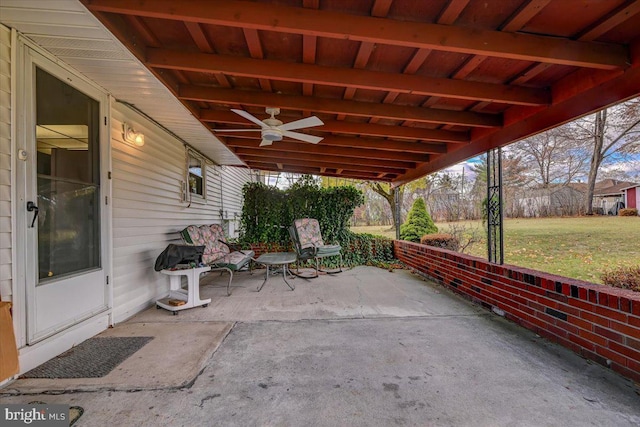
<point>418,223</point>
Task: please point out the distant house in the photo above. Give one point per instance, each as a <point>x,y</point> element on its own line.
<point>610,191</point>
<point>554,200</point>
<point>631,196</point>
<point>568,199</point>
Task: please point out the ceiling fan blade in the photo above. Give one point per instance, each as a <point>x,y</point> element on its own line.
<point>249,117</point>
<point>265,142</point>
<point>302,137</point>
<point>237,130</point>
<point>302,123</point>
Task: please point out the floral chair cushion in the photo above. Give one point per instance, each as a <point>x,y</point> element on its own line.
<point>216,253</point>
<point>308,230</point>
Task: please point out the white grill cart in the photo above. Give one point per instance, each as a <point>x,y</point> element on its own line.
<point>190,296</point>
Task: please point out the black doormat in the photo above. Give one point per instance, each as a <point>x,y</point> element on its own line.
<point>94,358</point>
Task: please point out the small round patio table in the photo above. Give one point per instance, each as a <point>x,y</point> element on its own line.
<point>282,259</point>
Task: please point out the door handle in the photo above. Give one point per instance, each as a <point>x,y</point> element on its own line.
<point>31,207</point>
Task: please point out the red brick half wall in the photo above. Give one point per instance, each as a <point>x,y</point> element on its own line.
<point>598,322</point>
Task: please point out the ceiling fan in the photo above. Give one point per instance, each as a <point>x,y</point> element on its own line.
<point>273,129</point>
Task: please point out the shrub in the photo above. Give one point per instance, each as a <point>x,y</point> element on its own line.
<point>441,240</point>
<point>467,235</point>
<point>418,223</point>
<point>623,277</point>
<point>368,249</point>
<point>628,212</point>
<point>268,211</point>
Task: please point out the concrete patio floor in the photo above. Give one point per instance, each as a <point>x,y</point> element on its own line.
<point>366,347</point>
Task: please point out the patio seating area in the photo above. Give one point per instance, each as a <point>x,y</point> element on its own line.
<point>366,347</point>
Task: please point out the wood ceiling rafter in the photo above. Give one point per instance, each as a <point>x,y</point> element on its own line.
<point>309,45</point>
<point>353,128</point>
<point>276,153</point>
<point>344,77</point>
<point>255,49</point>
<point>338,173</point>
<point>380,9</point>
<point>355,167</point>
<point>205,46</point>
<point>451,11</point>
<point>448,16</point>
<point>363,153</point>
<point>331,106</point>
<point>274,17</point>
<point>414,64</point>
<point>616,17</point>
<point>370,143</point>
<point>513,24</point>
<point>523,15</point>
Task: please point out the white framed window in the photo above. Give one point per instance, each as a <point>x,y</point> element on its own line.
<point>196,175</point>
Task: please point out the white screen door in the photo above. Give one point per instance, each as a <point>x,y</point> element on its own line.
<point>65,278</point>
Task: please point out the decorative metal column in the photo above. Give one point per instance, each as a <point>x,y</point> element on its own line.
<point>396,197</point>
<point>495,243</point>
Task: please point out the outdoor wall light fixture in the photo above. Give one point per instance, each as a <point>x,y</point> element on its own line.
<point>131,136</point>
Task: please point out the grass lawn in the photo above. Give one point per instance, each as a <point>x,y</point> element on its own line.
<point>581,247</point>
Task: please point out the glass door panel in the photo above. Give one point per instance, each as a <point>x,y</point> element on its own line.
<point>68,179</point>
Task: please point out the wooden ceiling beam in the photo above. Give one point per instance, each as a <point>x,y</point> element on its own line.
<point>366,143</point>
<point>199,37</point>
<point>255,50</point>
<point>365,176</point>
<point>447,16</point>
<point>319,164</point>
<point>616,17</point>
<point>322,23</point>
<point>344,77</point>
<point>452,10</point>
<point>351,128</point>
<point>337,106</point>
<point>524,15</point>
<point>276,153</point>
<point>365,153</point>
<point>381,8</point>
<point>204,45</point>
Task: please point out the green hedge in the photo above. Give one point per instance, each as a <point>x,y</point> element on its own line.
<point>367,249</point>
<point>268,212</point>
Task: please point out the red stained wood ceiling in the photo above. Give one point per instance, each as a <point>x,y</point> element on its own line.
<point>404,87</point>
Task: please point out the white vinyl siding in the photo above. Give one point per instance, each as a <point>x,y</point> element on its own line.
<point>5,164</point>
<point>233,179</point>
<point>148,209</point>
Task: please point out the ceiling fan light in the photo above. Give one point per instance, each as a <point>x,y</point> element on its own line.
<point>271,135</point>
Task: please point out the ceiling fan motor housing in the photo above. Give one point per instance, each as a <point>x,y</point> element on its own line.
<point>272,134</point>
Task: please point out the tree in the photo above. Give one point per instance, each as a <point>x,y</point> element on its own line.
<point>387,192</point>
<point>614,134</point>
<point>418,223</point>
<point>554,156</point>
